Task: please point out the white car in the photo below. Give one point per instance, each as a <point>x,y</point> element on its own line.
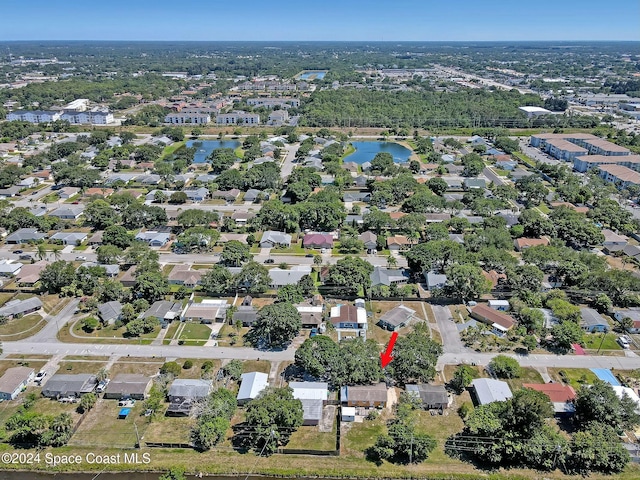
<point>81,257</point>
<point>624,342</point>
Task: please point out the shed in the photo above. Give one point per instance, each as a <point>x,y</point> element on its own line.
<point>431,396</point>
<point>14,381</point>
<point>253,383</point>
<point>348,414</point>
<point>131,385</point>
<point>488,390</point>
<point>500,305</point>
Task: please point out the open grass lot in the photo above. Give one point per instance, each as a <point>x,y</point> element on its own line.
<point>195,331</point>
<point>48,406</point>
<point>30,356</point>
<point>92,367</point>
<point>310,438</point>
<point>108,334</point>
<point>528,375</point>
<point>164,429</point>
<point>450,369</point>
<point>196,370</point>
<point>103,428</point>
<point>5,297</point>
<point>52,304</point>
<point>146,367</point>
<point>8,363</point>
<point>225,336</point>
<point>19,328</point>
<point>576,376</point>
<point>595,341</point>
<point>256,366</point>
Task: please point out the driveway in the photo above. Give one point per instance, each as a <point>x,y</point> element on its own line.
<point>451,342</point>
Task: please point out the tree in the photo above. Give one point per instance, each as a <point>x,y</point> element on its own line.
<point>57,275</point>
<point>566,334</point>
<point>217,280</point>
<point>437,185</point>
<point>505,367</point>
<point>118,236</point>
<point>159,197</point>
<point>235,253</point>
<point>87,401</point>
<point>274,416</point>
<point>170,368</point>
<point>598,449</point>
<point>414,358</point>
<point>522,278</point>
<point>306,284</point>
<point>210,432</point>
<point>317,356</point>
<point>436,255</point>
<point>253,277</point>
<point>290,294</point>
<point>90,324</point>
<point>99,215</point>
<point>109,254</point>
<point>233,370</point>
<point>151,286</point>
<point>349,275</point>
<point>359,363</point>
<point>277,325</point>
<point>473,165</point>
<point>174,473</point>
<point>193,218</point>
<point>603,303</point>
<point>466,282</point>
<point>462,378</point>
<point>599,403</point>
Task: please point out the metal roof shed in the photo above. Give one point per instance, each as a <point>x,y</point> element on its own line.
<point>252,384</point>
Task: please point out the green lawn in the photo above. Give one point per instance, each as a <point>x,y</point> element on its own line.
<point>594,341</point>
<point>528,375</point>
<point>544,209</point>
<point>195,331</point>
<point>363,435</point>
<point>27,324</point>
<point>168,150</point>
<point>574,376</point>
<point>310,438</point>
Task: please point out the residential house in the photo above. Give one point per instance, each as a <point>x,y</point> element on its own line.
<point>163,310</point>
<point>128,279</point>
<point>271,239</point>
<point>227,237</point>
<point>71,212</point>
<point>396,318</point>
<point>474,183</point>
<point>96,239</point>
<point>14,381</point>
<point>70,238</point>
<point>242,218</point>
<point>18,308</point>
<point>183,275</point>
<point>252,384</point>
<point>110,312</point>
<point>488,390</point>
<point>370,240</point>
<point>349,317</point>
<point>281,277</point>
<point>364,395</point>
<point>247,314</point>
<point>397,243</point>
<point>197,194</point>
<point>67,192</point>
<point>388,277</point>
<point>9,268</point>
<point>432,397</point>
<point>500,322</point>
<point>437,217</point>
<point>318,240</point>
<point>494,277</point>
<point>252,195</point>
<point>154,238</point>
<point>508,165</point>
<point>524,243</point>
<point>10,191</point>
<point>313,396</point>
<point>350,197</point>
<point>633,314</point>
<point>614,242</point>
<point>435,280</point>
<point>102,192</point>
<point>227,195</point>
<point>208,311</point>
<point>592,321</point>
<point>69,385</point>
<point>185,393</point>
<point>312,314</point>
<point>561,396</point>
<point>29,274</point>
<point>128,385</point>
<point>25,235</point>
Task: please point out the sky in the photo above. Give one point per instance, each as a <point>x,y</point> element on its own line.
<point>322,20</point>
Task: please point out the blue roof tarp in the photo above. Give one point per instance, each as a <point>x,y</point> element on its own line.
<point>605,375</point>
<point>124,412</point>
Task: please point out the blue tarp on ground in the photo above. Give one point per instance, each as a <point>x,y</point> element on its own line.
<point>124,412</point>
<point>605,375</point>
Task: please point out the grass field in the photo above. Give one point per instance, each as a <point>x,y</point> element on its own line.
<point>594,341</point>
<point>528,375</point>
<point>145,367</point>
<point>195,331</point>
<point>22,327</point>
<point>196,370</point>
<point>263,366</point>
<point>169,429</point>
<point>6,364</point>
<point>576,376</point>
<point>310,438</point>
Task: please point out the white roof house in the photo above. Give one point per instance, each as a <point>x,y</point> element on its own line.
<point>293,275</point>
<point>489,390</point>
<point>312,395</point>
<point>252,384</point>
<point>9,267</point>
<point>620,391</point>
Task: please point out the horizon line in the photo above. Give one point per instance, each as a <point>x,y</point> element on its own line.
<point>318,41</point>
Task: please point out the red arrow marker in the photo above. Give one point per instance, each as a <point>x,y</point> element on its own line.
<point>385,357</point>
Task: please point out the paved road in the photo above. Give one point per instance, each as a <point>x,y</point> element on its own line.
<point>50,331</point>
<point>448,331</point>
<point>494,177</point>
<point>287,165</point>
<point>536,154</point>
<point>558,361</point>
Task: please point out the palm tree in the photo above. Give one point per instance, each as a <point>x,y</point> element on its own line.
<point>57,253</point>
<point>391,261</point>
<point>41,253</point>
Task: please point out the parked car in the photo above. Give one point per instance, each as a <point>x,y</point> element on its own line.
<point>624,342</point>
<point>18,251</point>
<point>39,377</point>
<point>314,332</point>
<point>309,255</point>
<point>269,260</point>
<point>81,257</point>
<point>25,257</point>
<point>102,385</point>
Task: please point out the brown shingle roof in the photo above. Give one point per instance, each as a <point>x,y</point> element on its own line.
<point>487,314</point>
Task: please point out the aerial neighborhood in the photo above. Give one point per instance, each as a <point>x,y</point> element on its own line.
<point>259,267</point>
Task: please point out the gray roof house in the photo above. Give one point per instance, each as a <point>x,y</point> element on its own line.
<point>70,238</point>
<point>369,239</point>
<point>388,277</point>
<point>71,212</point>
<point>252,194</point>
<point>431,396</point>
<point>109,312</point>
<point>197,194</point>
<point>396,318</point>
<point>272,239</point>
<point>189,388</point>
<point>131,385</point>
<point>280,277</point>
<point>164,310</point>
<point>14,308</point>
<point>247,314</point>
<point>65,385</point>
<point>14,381</point>
<point>153,238</point>
<point>364,395</point>
<point>252,384</point>
<point>9,268</point>
<point>488,390</point>
<point>471,183</point>
<point>592,321</point>
<point>25,235</point>
<point>435,280</point>
<point>313,396</point>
